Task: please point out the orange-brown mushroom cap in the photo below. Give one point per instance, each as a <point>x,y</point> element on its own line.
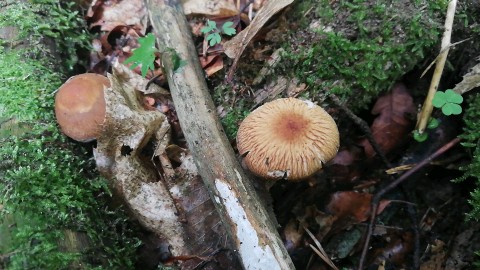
<point>80,106</point>
<point>287,138</point>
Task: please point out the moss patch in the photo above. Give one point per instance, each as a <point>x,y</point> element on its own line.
<point>49,188</point>
<point>357,49</point>
<point>471,137</point>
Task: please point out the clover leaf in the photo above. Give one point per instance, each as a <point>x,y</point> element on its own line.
<point>420,137</point>
<point>448,101</point>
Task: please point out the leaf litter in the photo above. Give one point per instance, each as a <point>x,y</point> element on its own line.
<point>336,215</point>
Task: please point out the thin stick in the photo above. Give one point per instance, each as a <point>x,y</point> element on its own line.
<point>437,74</point>
<point>319,250</point>
<point>376,198</point>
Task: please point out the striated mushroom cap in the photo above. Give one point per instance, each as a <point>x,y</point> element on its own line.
<point>287,138</point>
<point>80,106</point>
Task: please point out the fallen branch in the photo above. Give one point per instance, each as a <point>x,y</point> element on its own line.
<point>253,233</point>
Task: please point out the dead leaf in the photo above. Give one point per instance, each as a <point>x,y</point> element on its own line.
<point>470,81</point>
<point>437,257</point>
<point>392,124</point>
<point>235,46</point>
<point>115,44</point>
<point>211,64</point>
<point>223,8</point>
<point>345,204</point>
<point>396,251</point>
<point>109,14</point>
<point>293,235</point>
<point>345,166</point>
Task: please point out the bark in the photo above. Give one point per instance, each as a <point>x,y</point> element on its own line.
<point>253,233</point>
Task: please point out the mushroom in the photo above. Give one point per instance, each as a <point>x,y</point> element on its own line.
<point>80,106</point>
<point>287,138</point>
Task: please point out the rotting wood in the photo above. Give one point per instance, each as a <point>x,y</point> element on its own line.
<point>254,234</point>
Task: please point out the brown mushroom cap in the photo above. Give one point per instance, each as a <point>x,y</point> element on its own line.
<point>80,106</point>
<point>287,138</point>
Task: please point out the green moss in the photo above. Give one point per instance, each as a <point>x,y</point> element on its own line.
<point>231,121</point>
<point>357,49</point>
<point>26,87</point>
<point>237,108</point>
<point>471,137</point>
<point>48,185</point>
<point>37,20</point>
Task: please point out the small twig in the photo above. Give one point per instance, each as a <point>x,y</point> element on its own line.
<point>376,198</point>
<point>442,51</point>
<point>440,64</point>
<point>152,80</point>
<point>412,213</point>
<point>364,127</point>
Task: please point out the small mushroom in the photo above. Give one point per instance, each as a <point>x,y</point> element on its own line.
<point>287,138</point>
<point>80,106</point>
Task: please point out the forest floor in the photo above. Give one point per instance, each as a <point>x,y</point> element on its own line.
<point>420,223</point>
<point>372,65</point>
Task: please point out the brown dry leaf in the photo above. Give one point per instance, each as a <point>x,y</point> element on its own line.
<point>392,123</point>
<point>235,46</point>
<point>345,166</point>
<point>109,14</point>
<point>210,7</point>
<point>396,251</point>
<point>211,64</point>
<point>293,235</point>
<point>345,204</point>
<point>115,44</point>
<point>344,157</point>
<point>437,258</point>
<point>323,221</point>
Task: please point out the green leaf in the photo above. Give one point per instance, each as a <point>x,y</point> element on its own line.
<point>439,99</point>
<point>214,38</point>
<point>211,25</point>
<point>451,108</point>
<point>144,55</point>
<point>453,97</point>
<point>420,137</point>
<point>177,61</point>
<point>433,123</point>
<point>228,29</point>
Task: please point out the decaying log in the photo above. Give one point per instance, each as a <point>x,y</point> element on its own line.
<point>254,234</point>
